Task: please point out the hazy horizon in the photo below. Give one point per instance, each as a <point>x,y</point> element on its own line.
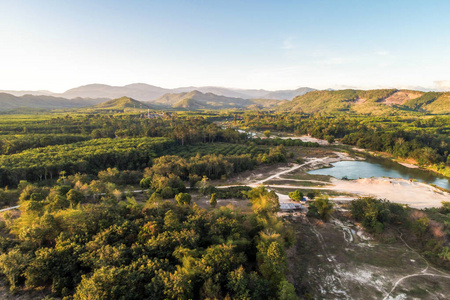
<point>336,87</point>
<point>56,46</point>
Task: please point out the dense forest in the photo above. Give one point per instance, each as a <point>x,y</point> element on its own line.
<point>92,143</point>
<point>424,139</point>
<point>119,249</point>
<point>85,239</point>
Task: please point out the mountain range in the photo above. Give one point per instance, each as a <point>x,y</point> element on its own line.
<point>10,102</point>
<point>198,100</point>
<point>381,101</point>
<point>146,92</point>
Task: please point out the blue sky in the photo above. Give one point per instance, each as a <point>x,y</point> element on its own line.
<point>57,45</point>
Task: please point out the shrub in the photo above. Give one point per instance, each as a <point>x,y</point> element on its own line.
<point>183,198</point>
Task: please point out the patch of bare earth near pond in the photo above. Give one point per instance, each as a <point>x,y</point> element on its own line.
<point>415,194</point>
<point>337,260</point>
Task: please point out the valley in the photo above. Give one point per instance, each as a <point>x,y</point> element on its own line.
<point>115,191</point>
<point>224,150</point>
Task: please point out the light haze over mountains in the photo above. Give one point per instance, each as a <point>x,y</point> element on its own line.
<point>147,92</point>
<point>93,97</point>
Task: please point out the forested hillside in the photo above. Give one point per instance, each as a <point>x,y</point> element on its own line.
<point>370,102</point>
<point>197,100</point>
<point>425,140</point>
<point>147,92</point>
<point>121,104</point>
<point>375,102</point>
<point>9,102</point>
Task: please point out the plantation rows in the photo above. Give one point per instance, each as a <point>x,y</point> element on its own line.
<point>87,157</point>
<point>10,144</point>
<point>216,148</point>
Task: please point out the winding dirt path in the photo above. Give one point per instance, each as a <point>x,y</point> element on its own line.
<point>9,208</point>
<point>424,272</point>
<point>295,167</point>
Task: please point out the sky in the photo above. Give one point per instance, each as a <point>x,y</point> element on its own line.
<point>57,45</point>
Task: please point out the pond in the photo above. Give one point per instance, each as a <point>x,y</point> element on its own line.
<point>379,167</point>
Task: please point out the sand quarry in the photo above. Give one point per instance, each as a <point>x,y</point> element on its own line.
<point>415,194</point>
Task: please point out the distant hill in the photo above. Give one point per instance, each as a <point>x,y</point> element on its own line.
<point>371,101</point>
<point>122,104</point>
<point>381,101</point>
<point>22,93</point>
<point>432,102</point>
<point>267,103</point>
<point>10,102</point>
<point>221,91</point>
<point>198,100</point>
<point>139,91</point>
<point>288,94</point>
<point>146,92</point>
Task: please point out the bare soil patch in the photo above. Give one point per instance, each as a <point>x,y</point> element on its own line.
<point>401,97</point>
<point>327,264</point>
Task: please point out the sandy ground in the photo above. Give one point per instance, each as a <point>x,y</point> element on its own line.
<point>307,138</point>
<point>416,194</point>
<point>411,166</point>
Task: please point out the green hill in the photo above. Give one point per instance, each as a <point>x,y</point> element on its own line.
<point>432,102</point>
<point>11,103</point>
<point>190,103</point>
<point>197,100</point>
<point>378,102</point>
<point>123,103</point>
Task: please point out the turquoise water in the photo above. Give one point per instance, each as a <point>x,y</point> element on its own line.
<point>379,167</point>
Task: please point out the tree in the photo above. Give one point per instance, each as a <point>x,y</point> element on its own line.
<point>311,195</point>
<point>296,195</point>
<point>183,198</point>
<point>237,283</point>
<point>145,182</point>
<point>324,207</point>
<point>329,139</point>
<point>272,261</point>
<point>12,265</point>
<point>267,133</point>
<point>167,192</point>
<point>263,201</point>
<point>154,198</point>
<point>74,197</point>
<point>286,291</point>
<point>213,200</point>
<point>445,208</point>
<point>420,227</point>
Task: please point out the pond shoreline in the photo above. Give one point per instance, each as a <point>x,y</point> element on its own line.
<point>415,194</point>
<point>391,157</point>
